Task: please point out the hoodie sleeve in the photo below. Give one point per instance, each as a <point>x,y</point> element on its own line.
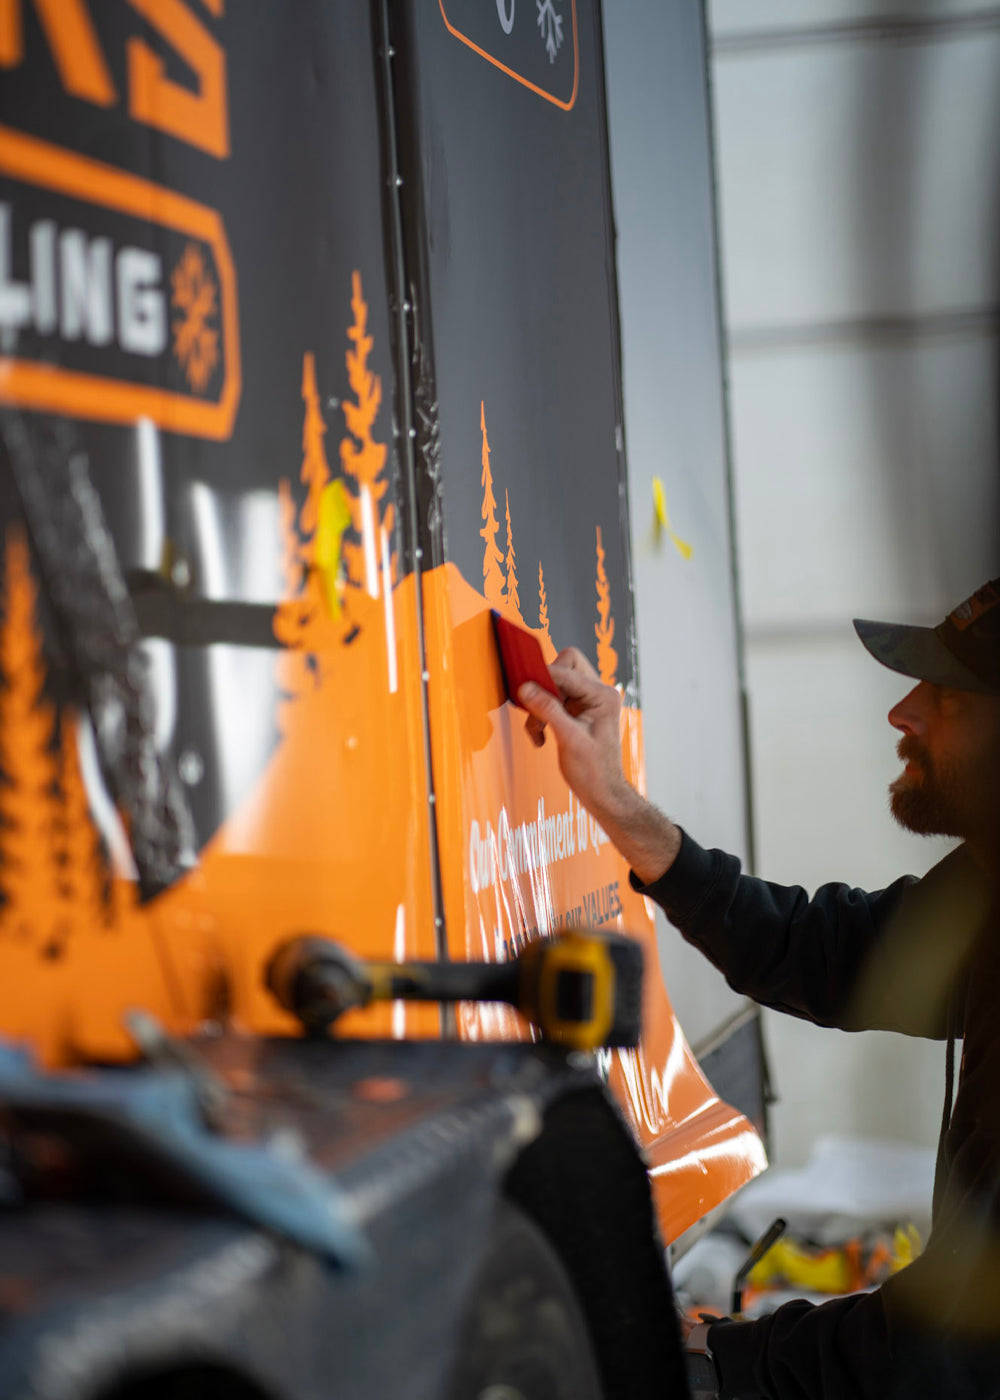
<point>772,942</point>
<point>840,1350</point>
<point>932,1331</point>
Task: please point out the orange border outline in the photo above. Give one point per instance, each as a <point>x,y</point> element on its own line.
<point>566,106</point>
<point>34,384</point>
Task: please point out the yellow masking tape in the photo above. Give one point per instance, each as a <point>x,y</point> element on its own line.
<point>334,518</point>
<point>662,520</point>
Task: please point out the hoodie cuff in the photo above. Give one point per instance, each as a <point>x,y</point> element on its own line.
<point>734,1347</point>
<point>683,886</point>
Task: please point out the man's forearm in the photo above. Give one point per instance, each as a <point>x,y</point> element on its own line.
<point>647,839</point>
<point>586,722</point>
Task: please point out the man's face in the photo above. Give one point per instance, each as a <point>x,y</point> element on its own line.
<point>951,748</point>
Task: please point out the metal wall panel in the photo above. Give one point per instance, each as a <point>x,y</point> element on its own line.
<point>866,479</point>
<point>858,170</point>
<point>864,186</point>
<point>732,18</point>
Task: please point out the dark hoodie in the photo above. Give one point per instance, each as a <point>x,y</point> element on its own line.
<point>921,957</point>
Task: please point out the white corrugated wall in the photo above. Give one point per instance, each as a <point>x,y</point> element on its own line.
<point>858,154</point>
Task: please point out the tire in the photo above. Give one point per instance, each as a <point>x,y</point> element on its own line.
<point>524,1336</point>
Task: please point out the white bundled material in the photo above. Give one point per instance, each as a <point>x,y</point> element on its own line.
<point>849,1185</point>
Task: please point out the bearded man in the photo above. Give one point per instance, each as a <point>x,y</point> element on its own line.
<point>921,957</point>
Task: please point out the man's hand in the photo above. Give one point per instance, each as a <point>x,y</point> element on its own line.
<point>587,729</point>
<point>703,1375</point>
<point>587,726</point>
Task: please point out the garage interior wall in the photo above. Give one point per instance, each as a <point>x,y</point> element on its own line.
<point>857,183</point>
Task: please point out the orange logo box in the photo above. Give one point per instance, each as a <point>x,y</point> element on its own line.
<point>534,45</point>
<point>180,328</point>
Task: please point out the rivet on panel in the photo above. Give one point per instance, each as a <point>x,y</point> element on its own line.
<point>190,768</point>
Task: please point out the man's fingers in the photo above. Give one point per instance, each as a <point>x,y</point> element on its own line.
<point>545,709</point>
<point>574,682</point>
<point>535,730</point>
<point>573,659</point>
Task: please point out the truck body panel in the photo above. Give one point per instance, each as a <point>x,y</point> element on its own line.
<point>325,304</point>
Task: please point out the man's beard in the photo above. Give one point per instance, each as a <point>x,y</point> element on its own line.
<point>929,801</point>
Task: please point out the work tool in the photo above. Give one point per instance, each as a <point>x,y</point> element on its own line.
<point>582,989</point>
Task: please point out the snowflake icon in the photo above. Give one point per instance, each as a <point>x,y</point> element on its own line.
<point>195,297</point>
<point>551,25</point>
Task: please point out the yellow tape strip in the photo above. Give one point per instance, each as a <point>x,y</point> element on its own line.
<point>662,521</point>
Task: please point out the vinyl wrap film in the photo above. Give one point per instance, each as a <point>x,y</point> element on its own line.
<point>292,725</point>
<point>510,266</point>
<point>341,367</point>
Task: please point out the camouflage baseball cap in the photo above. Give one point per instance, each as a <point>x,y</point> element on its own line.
<point>962,652</point>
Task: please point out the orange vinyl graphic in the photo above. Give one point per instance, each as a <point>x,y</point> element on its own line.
<point>204,325</point>
<point>493,579</point>
<point>199,117</point>
<point>194,297</point>
<point>333,838</point>
<point>604,627</point>
<point>521,859</point>
<point>510,595</point>
<point>565,103</point>
<point>543,605</point>
<point>363,460</point>
<point>75,48</point>
<point>75,949</point>
<point>202,117</point>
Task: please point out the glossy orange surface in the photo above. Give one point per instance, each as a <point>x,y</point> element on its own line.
<point>334,836</point>
<point>520,858</point>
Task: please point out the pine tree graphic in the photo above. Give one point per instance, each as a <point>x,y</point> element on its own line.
<point>511,594</point>
<point>493,579</point>
<point>29,796</point>
<point>363,459</point>
<point>543,608</point>
<point>604,629</point>
<point>301,622</point>
<point>83,870</point>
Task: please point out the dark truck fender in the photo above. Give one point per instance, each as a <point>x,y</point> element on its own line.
<point>153,1276</point>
